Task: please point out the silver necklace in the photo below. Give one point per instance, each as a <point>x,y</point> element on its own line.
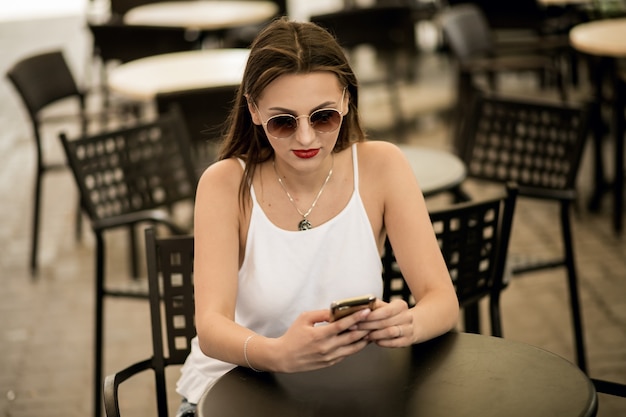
<point>305,224</point>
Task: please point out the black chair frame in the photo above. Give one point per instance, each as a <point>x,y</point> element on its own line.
<point>129,177</point>
<point>538,144</point>
<point>474,239</point>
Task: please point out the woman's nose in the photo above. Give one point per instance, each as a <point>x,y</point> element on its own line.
<point>305,134</point>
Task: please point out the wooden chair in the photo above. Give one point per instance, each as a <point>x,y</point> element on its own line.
<point>170,283</point>
<point>129,177</point>
<point>538,145</point>
<point>474,240</point>
<point>43,80</point>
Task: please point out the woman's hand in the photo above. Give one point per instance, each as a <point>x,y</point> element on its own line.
<point>390,324</point>
<point>309,345</point>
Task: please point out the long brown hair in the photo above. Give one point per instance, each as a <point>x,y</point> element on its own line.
<point>285,47</point>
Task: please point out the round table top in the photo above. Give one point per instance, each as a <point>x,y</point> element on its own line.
<point>457,374</point>
<point>436,170</point>
<point>142,79</point>
<point>601,37</point>
<point>202,14</point>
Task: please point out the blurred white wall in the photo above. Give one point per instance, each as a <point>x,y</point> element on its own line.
<point>33,9</point>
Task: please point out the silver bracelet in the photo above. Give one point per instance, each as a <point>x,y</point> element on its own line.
<point>245,353</point>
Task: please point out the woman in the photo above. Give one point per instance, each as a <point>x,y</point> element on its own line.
<point>295,215</point>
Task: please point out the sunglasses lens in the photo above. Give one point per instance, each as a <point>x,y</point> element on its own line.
<point>282,126</point>
<point>325,120</point>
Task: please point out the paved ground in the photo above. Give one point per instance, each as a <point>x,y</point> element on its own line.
<point>46,324</point>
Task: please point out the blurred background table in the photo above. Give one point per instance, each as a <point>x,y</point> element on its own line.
<point>202,14</point>
<point>436,170</point>
<point>604,43</point>
<point>144,78</point>
<point>452,375</point>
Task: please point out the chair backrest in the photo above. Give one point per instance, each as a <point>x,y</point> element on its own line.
<point>170,279</point>
<point>537,144</point>
<point>474,240</point>
<point>132,169</point>
<point>466,31</point>
<point>383,27</point>
<point>510,14</point>
<point>42,79</point>
<point>205,111</point>
<point>114,41</point>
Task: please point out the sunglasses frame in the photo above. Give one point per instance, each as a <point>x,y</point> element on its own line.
<point>296,118</point>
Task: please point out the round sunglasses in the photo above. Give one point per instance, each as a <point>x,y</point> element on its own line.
<point>283,126</point>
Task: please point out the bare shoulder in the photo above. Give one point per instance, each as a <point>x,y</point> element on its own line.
<point>378,157</point>
<point>223,175</point>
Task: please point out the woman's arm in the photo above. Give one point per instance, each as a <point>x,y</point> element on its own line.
<point>411,234</point>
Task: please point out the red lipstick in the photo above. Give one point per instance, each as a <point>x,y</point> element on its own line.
<point>306,153</point>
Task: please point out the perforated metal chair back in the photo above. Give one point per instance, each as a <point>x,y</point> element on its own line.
<point>537,144</point>
<point>133,169</point>
<point>474,241</point>
<point>170,281</point>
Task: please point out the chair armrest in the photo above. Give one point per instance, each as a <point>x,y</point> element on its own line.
<point>544,194</point>
<point>153,216</point>
<point>112,382</point>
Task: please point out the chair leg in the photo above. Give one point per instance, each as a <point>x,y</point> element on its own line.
<point>99,326</point>
<point>494,315</point>
<point>132,242</point>
<point>36,218</point>
<point>577,321</point>
<point>78,227</point>
<point>471,317</point>
<point>619,106</point>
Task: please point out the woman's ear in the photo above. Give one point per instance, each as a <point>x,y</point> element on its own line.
<point>254,111</point>
<point>346,103</point>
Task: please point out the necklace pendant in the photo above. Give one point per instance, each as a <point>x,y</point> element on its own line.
<point>304,225</point>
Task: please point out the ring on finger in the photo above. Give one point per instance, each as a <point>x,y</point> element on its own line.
<point>400,332</point>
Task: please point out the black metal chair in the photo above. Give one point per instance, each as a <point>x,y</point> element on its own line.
<point>470,38</point>
<point>474,241</point>
<point>170,283</point>
<point>42,80</point>
<point>538,145</point>
<point>129,177</point>
<point>205,111</point>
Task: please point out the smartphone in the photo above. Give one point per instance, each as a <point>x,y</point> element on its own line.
<point>347,306</point>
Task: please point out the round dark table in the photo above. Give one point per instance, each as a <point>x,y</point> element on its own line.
<point>457,374</point>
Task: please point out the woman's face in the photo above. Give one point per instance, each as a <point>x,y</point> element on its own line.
<point>296,141</point>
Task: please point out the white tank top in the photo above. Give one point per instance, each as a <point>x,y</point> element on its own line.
<point>285,273</point>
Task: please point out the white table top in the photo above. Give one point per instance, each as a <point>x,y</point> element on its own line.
<point>202,14</point>
<point>600,37</point>
<point>142,79</point>
<point>435,170</point>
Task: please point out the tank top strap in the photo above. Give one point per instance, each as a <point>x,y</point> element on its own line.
<point>355,168</point>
